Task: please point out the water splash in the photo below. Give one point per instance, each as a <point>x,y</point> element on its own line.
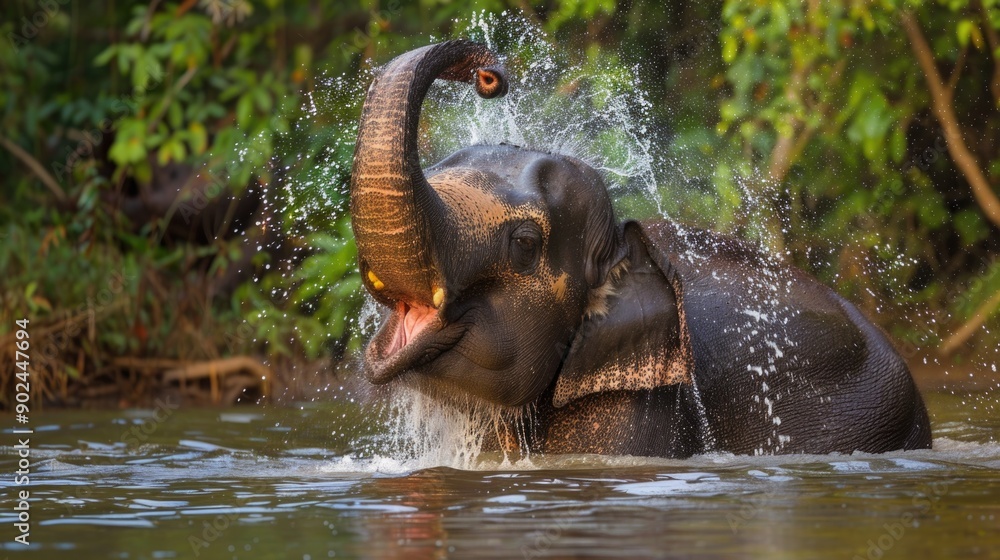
<point>558,102</point>
<point>424,431</point>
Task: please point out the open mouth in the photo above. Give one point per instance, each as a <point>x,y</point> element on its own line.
<point>413,335</point>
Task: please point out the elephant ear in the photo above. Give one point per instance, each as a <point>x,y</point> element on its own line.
<point>604,248</point>
<point>641,342</point>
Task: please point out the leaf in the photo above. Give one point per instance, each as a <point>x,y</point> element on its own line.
<point>106,55</point>
<point>897,144</point>
<point>964,30</point>
<point>140,76</point>
<point>171,150</point>
<point>39,302</point>
<point>968,29</point>
<point>148,72</point>
<point>779,15</point>
<point>197,138</point>
<point>931,209</point>
<point>143,171</point>
<point>129,146</point>
<point>244,110</point>
<point>88,199</point>
<point>262,99</point>
<point>127,54</point>
<point>175,115</point>
<point>730,48</point>
<point>970,226</point>
<point>114,339</point>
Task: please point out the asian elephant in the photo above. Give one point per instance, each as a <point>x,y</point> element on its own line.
<point>508,281</point>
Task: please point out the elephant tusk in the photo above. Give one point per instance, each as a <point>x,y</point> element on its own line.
<point>376,283</point>
<point>438,297</point>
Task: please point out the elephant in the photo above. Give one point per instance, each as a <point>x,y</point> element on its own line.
<point>507,281</point>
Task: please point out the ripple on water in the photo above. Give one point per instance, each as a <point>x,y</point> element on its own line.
<point>346,498</point>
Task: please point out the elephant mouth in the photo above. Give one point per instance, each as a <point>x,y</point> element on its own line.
<point>413,335</point>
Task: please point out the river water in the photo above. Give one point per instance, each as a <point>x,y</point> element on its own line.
<point>303,482</point>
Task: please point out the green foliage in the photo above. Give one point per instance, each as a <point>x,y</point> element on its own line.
<point>312,306</point>
<point>806,125</point>
<point>835,89</point>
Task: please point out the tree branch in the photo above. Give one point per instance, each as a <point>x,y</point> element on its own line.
<point>216,370</point>
<point>956,73</point>
<point>970,327</point>
<point>221,367</point>
<point>154,121</point>
<point>994,41</point>
<point>144,34</point>
<point>945,114</point>
<point>47,179</point>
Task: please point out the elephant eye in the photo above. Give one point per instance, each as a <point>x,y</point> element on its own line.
<point>524,248</point>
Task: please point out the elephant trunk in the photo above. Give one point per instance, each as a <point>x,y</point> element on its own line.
<point>395,212</point>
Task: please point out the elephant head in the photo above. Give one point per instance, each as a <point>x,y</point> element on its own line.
<point>488,262</point>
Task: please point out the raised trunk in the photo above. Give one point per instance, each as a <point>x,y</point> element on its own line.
<point>396,214</point>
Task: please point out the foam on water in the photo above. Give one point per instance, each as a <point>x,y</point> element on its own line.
<point>945,454</point>
<point>160,464</point>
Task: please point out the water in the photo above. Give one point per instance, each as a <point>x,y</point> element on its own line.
<point>287,483</point>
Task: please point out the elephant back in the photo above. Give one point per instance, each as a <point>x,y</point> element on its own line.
<point>775,353</point>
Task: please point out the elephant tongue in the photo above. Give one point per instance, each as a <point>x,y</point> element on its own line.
<point>413,319</point>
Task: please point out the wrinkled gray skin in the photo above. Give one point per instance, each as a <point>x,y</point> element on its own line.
<point>508,280</point>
